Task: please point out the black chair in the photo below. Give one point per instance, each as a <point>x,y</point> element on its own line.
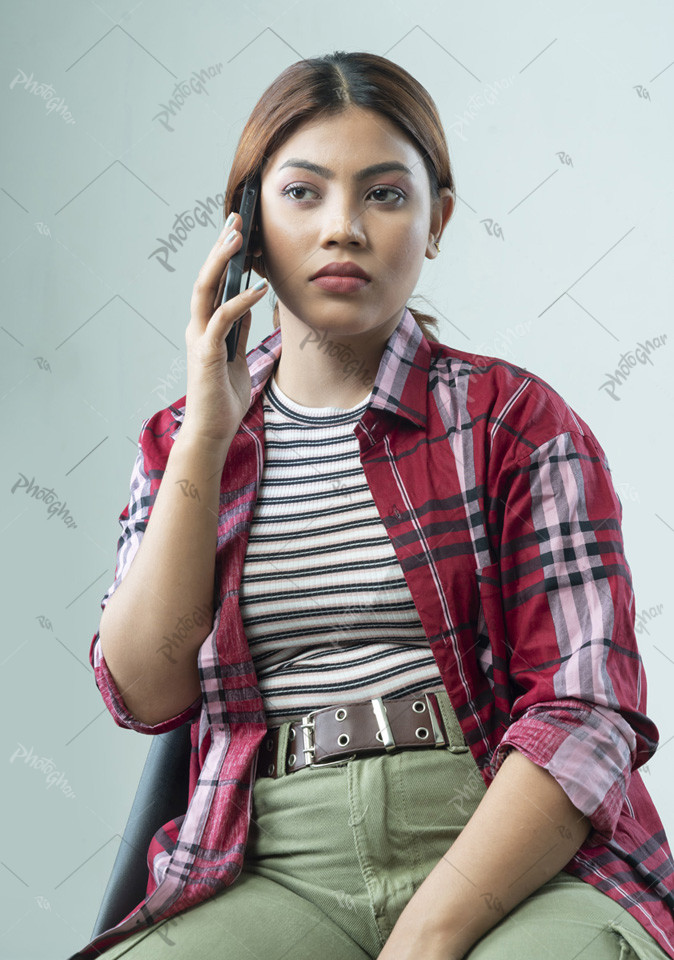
<point>162,794</point>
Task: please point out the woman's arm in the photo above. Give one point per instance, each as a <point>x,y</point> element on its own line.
<point>169,580</point>
<point>524,831</point>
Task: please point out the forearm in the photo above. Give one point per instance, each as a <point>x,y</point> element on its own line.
<point>524,831</point>
<point>170,579</point>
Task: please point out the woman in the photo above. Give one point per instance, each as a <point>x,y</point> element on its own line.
<point>418,716</point>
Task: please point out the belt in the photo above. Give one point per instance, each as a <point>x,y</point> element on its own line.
<point>349,730</point>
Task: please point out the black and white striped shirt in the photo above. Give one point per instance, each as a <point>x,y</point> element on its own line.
<point>326,609</point>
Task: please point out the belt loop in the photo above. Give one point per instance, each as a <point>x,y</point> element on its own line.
<point>438,734</point>
<point>282,749</point>
<point>457,742</point>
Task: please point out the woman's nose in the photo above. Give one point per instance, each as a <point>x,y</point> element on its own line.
<point>343,227</point>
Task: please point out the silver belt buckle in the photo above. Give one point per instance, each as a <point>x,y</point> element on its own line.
<point>308,726</point>
<point>385,734</point>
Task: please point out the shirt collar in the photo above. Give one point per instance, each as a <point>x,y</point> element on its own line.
<point>401,383</point>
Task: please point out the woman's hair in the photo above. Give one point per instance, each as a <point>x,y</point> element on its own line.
<point>324,86</point>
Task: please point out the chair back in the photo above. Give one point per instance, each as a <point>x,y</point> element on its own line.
<point>162,795</point>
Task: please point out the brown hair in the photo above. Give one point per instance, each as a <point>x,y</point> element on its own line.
<point>324,86</point>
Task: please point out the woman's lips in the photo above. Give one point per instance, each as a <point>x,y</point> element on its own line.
<point>341,284</point>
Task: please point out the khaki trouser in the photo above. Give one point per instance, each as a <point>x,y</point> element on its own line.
<point>335,853</point>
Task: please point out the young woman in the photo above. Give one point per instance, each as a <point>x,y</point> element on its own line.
<point>384,581</point>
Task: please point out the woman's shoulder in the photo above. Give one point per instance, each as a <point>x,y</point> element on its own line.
<point>519,408</point>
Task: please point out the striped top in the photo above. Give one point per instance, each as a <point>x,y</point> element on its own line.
<point>326,610</point>
<point>498,501</point>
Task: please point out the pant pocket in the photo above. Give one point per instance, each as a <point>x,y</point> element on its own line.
<point>636,946</point>
<point>440,790</point>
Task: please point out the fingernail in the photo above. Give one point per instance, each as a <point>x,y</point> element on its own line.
<point>229,221</point>
<point>259,285</point>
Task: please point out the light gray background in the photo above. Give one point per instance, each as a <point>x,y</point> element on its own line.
<point>558,258</point>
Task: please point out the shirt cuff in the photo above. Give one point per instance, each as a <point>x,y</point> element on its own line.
<point>588,749</point>
<point>115,702</point>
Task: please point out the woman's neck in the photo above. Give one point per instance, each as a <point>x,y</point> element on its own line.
<point>319,369</point>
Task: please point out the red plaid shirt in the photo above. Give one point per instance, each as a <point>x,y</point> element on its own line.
<point>499,503</point>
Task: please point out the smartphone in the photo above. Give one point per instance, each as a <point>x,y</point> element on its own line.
<point>251,189</point>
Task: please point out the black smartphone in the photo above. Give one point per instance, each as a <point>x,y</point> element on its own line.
<point>251,189</point>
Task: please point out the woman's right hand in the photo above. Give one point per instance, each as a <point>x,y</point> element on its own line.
<point>218,392</point>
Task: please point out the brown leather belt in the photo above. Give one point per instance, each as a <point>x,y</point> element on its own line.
<point>348,730</point>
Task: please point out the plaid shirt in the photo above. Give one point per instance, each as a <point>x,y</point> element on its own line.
<point>499,503</point>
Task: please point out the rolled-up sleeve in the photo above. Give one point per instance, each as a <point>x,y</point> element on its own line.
<point>115,702</point>
<point>579,686</point>
<point>133,522</point>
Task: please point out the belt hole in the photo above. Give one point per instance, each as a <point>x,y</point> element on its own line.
<point>379,736</point>
<point>421,733</point>
<point>291,733</point>
<point>291,760</point>
<point>270,744</point>
<point>418,706</point>
<point>340,714</point>
<point>270,768</point>
<point>343,739</point>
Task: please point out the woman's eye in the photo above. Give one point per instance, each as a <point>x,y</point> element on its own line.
<point>294,187</point>
<point>399,195</point>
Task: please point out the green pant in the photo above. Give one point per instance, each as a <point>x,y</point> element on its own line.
<point>335,853</point>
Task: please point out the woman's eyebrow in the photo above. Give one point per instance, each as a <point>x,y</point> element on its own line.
<point>364,174</point>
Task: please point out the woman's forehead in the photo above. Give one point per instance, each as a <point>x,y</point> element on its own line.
<point>371,139</point>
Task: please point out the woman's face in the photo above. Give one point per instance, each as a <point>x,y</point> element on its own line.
<point>338,211</point>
